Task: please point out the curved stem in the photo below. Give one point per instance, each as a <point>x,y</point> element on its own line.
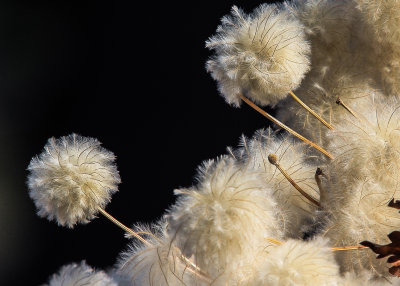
<point>273,159</point>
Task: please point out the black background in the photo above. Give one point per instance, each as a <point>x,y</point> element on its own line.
<point>130,75</point>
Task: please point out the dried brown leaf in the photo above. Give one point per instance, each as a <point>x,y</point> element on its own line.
<point>392,248</point>
<point>394,204</point>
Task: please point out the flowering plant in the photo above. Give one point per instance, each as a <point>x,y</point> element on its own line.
<point>289,206</point>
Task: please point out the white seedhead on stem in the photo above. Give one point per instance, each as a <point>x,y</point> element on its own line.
<point>224,218</point>
<point>298,159</point>
<point>364,178</point>
<point>264,54</point>
<point>71,179</point>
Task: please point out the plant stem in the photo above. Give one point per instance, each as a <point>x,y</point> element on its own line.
<point>273,159</point>
<point>311,111</point>
<point>339,101</point>
<point>291,131</point>
<point>121,225</point>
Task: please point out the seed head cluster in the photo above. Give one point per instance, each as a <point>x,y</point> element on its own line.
<point>274,211</point>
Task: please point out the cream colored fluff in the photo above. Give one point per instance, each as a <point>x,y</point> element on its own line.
<point>223,220</point>
<point>71,178</point>
<point>321,91</point>
<point>369,146</point>
<point>328,25</point>
<point>296,263</point>
<point>343,65</point>
<point>363,178</point>
<point>82,274</point>
<point>263,55</point>
<point>326,21</point>
<point>383,20</point>
<point>159,262</point>
<point>298,161</point>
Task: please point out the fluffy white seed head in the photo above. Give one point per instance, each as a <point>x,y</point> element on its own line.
<point>337,35</point>
<point>369,147</point>
<point>344,64</point>
<point>263,56</point>
<point>363,215</point>
<point>80,274</point>
<point>71,178</point>
<point>224,218</point>
<point>298,262</point>
<point>384,18</point>
<point>326,21</point>
<point>321,91</point>
<point>297,160</point>
<point>363,178</point>
<point>159,262</point>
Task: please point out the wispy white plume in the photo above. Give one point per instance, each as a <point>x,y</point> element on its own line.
<point>224,219</point>
<point>369,146</point>
<point>363,178</point>
<point>326,21</point>
<point>343,65</point>
<point>82,274</point>
<point>71,178</point>
<point>298,161</point>
<point>321,93</point>
<point>159,262</point>
<point>383,20</point>
<point>298,262</point>
<point>337,35</point>
<point>263,55</point>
